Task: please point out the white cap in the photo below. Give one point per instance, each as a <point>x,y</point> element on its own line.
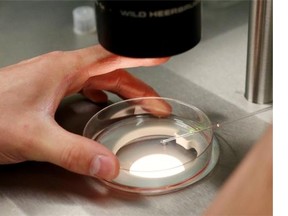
<point>84,20</point>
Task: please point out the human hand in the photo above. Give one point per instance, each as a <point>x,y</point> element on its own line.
<point>31,91</point>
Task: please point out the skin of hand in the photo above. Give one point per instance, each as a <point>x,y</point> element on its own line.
<point>249,191</point>
<point>31,91</point>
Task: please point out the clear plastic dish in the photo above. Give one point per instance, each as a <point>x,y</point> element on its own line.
<point>133,130</point>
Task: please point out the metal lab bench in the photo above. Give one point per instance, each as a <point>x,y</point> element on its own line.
<point>211,76</point>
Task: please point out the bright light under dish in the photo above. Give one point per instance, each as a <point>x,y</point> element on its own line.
<point>156,166</point>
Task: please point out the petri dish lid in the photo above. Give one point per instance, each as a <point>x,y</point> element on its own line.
<point>133,130</point>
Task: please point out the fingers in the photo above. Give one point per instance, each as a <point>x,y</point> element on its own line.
<point>92,61</point>
<point>95,95</point>
<point>101,61</point>
<point>72,69</point>
<point>127,86</point>
<point>75,153</point>
<point>121,83</point>
<point>69,70</point>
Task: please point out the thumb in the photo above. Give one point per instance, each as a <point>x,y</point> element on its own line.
<point>76,153</point>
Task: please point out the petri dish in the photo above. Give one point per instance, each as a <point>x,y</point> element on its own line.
<point>134,131</point>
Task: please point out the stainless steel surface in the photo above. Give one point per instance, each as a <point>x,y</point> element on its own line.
<point>259,57</point>
<point>208,77</point>
<point>43,189</point>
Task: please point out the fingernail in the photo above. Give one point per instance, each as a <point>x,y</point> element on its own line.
<point>102,167</point>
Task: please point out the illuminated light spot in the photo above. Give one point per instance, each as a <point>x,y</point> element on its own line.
<point>156,166</point>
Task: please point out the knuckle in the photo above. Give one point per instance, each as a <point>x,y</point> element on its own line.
<point>148,91</point>
<point>54,54</point>
<point>76,62</point>
<point>72,158</point>
<point>68,156</point>
<point>49,59</point>
<point>77,59</point>
<point>26,142</point>
<point>120,79</point>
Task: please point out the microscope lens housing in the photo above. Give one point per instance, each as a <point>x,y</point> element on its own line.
<point>144,29</point>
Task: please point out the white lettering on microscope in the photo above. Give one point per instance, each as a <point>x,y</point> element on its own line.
<point>138,14</point>
<point>173,11</point>
<point>160,13</point>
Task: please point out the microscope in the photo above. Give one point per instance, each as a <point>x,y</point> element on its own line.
<point>148,29</point>
<point>161,28</point>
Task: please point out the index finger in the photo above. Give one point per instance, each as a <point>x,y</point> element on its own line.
<point>127,86</point>
<point>98,61</point>
<point>92,61</point>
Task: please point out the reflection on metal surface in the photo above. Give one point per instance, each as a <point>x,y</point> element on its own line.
<point>156,166</point>
<point>259,58</point>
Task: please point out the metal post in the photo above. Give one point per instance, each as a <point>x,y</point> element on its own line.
<point>259,56</point>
